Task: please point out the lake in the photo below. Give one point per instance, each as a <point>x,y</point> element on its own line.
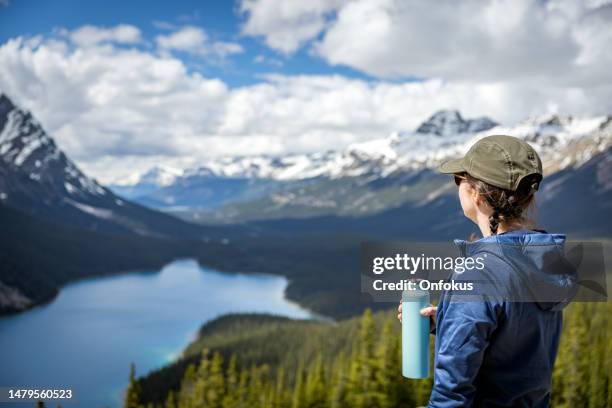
<point>86,338</point>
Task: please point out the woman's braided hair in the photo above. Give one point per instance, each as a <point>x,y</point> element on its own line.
<point>509,207</point>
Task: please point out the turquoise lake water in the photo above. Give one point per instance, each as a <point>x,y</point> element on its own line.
<point>87,337</point>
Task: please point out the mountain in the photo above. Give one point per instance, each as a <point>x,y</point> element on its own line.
<point>575,201</point>
<point>579,199</point>
<point>275,180</point>
<point>204,191</point>
<point>365,178</point>
<point>140,185</point>
<point>445,123</point>
<point>37,256</point>
<point>307,223</point>
<point>357,159</point>
<point>37,178</point>
<point>59,225</point>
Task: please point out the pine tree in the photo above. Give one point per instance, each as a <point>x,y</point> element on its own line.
<point>214,383</point>
<point>269,400</point>
<point>231,398</point>
<point>315,384</point>
<point>337,396</point>
<point>299,392</point>
<point>193,386</point>
<point>185,396</point>
<point>198,395</point>
<point>132,395</point>
<point>596,389</point>
<point>388,369</point>
<point>258,389</point>
<point>243,388</point>
<point>574,392</point>
<point>363,370</point>
<point>281,399</point>
<point>170,400</point>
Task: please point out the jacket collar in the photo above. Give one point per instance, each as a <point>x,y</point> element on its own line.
<point>518,237</point>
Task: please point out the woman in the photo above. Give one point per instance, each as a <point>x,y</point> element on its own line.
<point>499,350</point>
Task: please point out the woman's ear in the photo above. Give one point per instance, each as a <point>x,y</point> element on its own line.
<point>476,198</point>
<point>474,195</point>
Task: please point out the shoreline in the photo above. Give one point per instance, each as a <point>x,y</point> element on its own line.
<point>4,313</point>
<point>271,299</point>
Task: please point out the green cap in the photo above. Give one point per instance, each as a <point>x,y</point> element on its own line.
<point>499,160</point>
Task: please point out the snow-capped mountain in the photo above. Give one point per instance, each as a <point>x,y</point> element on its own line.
<point>159,175</point>
<point>38,178</point>
<point>152,180</point>
<point>356,159</point>
<point>57,224</point>
<point>409,150</point>
<point>449,122</point>
<point>29,153</point>
<point>320,180</point>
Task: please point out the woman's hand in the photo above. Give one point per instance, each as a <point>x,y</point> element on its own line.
<point>429,311</point>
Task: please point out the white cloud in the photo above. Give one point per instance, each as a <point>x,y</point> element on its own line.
<point>286,25</point>
<point>110,101</point>
<point>469,40</point>
<point>552,42</point>
<point>317,112</point>
<point>186,39</point>
<point>109,105</point>
<point>92,35</point>
<point>194,40</point>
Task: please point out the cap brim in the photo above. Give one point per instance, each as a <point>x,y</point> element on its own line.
<point>451,166</point>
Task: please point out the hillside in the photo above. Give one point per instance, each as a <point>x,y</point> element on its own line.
<point>38,178</point>
<point>38,256</point>
<point>262,361</point>
<point>59,225</point>
<point>438,216</point>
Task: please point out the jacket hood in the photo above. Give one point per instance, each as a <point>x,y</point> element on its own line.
<point>536,266</point>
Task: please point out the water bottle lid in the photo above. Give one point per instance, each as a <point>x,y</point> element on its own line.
<point>414,295</point>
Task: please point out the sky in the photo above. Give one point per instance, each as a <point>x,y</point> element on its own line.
<point>123,86</point>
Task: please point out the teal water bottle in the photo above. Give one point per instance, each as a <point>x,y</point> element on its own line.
<point>415,334</point>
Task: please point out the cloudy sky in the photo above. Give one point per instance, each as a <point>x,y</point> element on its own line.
<point>126,85</point>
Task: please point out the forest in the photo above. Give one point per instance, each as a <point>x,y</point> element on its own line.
<point>268,361</point>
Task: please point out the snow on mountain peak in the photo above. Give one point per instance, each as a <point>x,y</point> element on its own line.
<point>406,150</point>
<point>447,122</point>
<point>27,150</point>
<point>161,175</point>
<point>378,148</point>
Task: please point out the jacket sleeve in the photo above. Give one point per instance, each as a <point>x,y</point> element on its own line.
<point>463,336</point>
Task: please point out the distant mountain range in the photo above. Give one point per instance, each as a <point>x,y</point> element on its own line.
<point>301,216</point>
<point>363,179</point>
<point>58,225</point>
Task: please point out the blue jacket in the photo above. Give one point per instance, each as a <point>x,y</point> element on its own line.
<point>497,352</point>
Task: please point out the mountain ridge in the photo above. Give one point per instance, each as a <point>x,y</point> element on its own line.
<point>365,178</point>
<point>37,177</point>
<point>59,225</point>
<point>401,147</point>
